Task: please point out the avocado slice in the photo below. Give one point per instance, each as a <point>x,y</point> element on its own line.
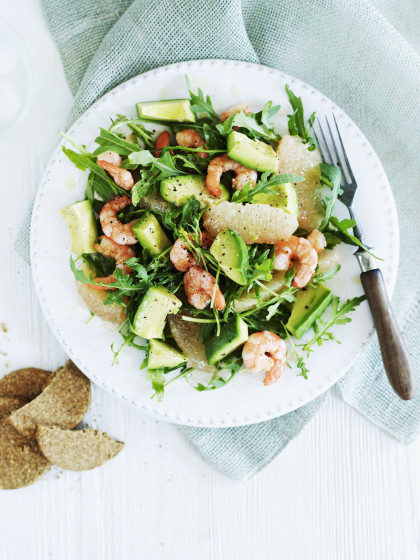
<point>151,235</point>
<point>286,198</point>
<point>178,110</point>
<point>231,336</point>
<point>252,153</point>
<point>80,220</point>
<point>310,303</point>
<point>231,252</point>
<point>181,188</point>
<point>150,317</point>
<point>163,355</point>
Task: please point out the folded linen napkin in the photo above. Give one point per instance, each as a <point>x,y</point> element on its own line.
<point>345,48</point>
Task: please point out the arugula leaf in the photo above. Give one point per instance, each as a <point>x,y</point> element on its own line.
<point>330,177</point>
<point>158,383</point>
<point>297,126</point>
<point>338,316</point>
<point>135,125</point>
<point>214,140</point>
<point>109,141</point>
<point>83,162</point>
<point>164,164</point>
<point>80,147</point>
<point>201,105</point>
<point>249,122</point>
<point>325,276</point>
<point>147,180</point>
<point>267,113</point>
<point>340,229</point>
<point>268,180</point>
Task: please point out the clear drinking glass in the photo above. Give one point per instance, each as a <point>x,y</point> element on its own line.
<point>16,79</point>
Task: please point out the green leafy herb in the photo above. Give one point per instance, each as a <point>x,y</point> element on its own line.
<point>338,316</point>
<point>250,123</point>
<point>297,126</point>
<point>264,186</point>
<point>340,230</point>
<point>330,177</point>
<point>325,276</point>
<point>83,162</point>
<point>201,105</point>
<point>165,164</point>
<point>139,130</point>
<point>115,143</point>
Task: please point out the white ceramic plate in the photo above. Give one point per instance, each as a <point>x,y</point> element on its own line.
<point>246,399</point>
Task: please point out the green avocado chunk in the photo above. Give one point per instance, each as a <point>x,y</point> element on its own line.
<point>231,252</point>
<point>151,235</point>
<point>181,188</point>
<point>310,303</point>
<point>231,336</point>
<point>286,198</point>
<point>163,355</point>
<point>252,153</point>
<point>150,317</point>
<point>178,110</point>
<point>80,220</point>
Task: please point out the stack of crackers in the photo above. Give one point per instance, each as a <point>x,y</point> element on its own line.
<point>38,411</point>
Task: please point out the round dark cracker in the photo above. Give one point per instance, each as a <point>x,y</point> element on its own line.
<point>63,402</point>
<point>26,382</point>
<point>21,462</point>
<point>9,404</point>
<point>76,450</point>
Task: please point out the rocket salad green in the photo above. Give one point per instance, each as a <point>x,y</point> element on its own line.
<point>206,237</point>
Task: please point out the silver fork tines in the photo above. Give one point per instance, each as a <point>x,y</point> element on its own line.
<point>333,152</point>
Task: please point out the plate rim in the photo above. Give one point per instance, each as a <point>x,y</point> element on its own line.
<point>227,421</point>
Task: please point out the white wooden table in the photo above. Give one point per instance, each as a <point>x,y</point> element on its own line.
<point>342,490</point>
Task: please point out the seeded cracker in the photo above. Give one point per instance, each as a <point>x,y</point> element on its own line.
<point>21,463</point>
<point>76,450</point>
<point>63,403</point>
<point>26,382</point>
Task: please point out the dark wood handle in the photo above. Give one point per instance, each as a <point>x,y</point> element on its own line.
<point>396,359</point>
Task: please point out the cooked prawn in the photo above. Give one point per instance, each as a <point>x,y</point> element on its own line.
<point>317,240</point>
<point>122,177</point>
<point>182,258</point>
<point>299,249</point>
<point>219,165</point>
<point>265,351</point>
<point>120,253</point>
<point>234,110</point>
<point>191,139</point>
<point>199,286</point>
<point>162,141</point>
<point>111,226</point>
<point>111,157</point>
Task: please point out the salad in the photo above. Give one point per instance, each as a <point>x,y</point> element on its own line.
<point>209,238</point>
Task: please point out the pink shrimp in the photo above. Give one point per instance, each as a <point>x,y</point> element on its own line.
<point>111,226</point>
<point>199,286</point>
<point>122,177</point>
<point>110,157</point>
<point>120,253</point>
<point>219,165</point>
<point>301,250</point>
<point>182,258</point>
<point>234,110</point>
<point>191,139</point>
<point>317,240</point>
<point>265,351</point>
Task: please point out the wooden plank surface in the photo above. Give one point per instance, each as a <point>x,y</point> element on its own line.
<point>342,490</point>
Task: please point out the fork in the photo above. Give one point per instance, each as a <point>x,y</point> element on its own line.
<point>395,357</point>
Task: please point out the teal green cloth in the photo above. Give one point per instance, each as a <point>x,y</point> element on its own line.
<point>349,50</point>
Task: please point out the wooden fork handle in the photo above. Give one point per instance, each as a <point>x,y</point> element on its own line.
<point>395,356</point>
